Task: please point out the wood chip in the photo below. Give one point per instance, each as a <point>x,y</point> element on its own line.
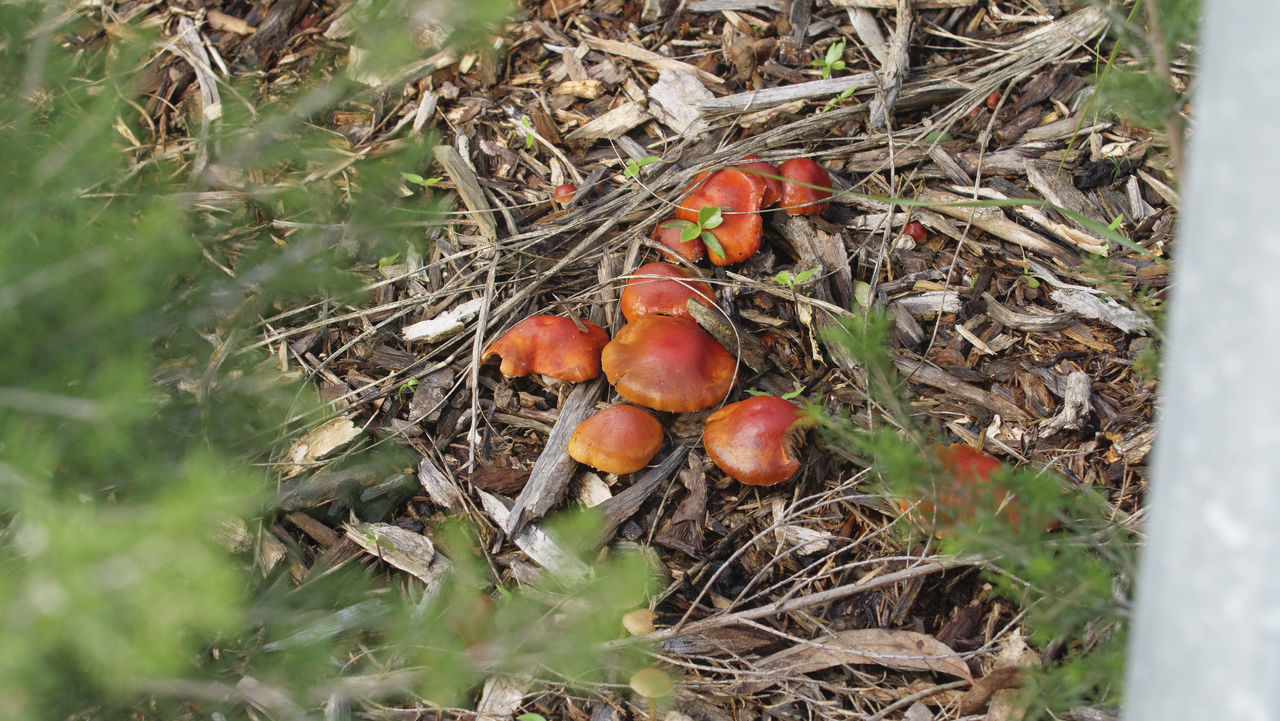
<point>501,698</point>
<point>1026,322</point>
<point>1089,305</point>
<point>440,489</point>
<point>535,542</point>
<point>610,125</point>
<point>464,179</point>
<point>890,4</point>
<point>410,552</point>
<point>904,650</point>
<point>553,469</point>
<point>770,97</point>
<point>648,57</point>
<point>318,443</point>
<point>674,101</point>
<point>1075,405</point>
<point>919,371</point>
<point>994,221</point>
<point>444,326</point>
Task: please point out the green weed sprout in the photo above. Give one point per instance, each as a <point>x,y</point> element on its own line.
<point>709,217</point>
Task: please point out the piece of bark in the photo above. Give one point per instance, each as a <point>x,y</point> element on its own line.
<point>921,371</point>
<point>464,180</point>
<point>536,543</point>
<point>440,489</point>
<point>553,469</point>
<point>890,4</point>
<point>869,34</point>
<point>892,73</point>
<point>770,97</point>
<point>890,648</point>
<point>1075,405</point>
<point>673,100</point>
<point>1026,322</point>
<point>742,344</point>
<point>410,552</point>
<point>994,221</point>
<point>625,504</point>
<point>1089,305</point>
<point>648,57</point>
<point>810,243</point>
<point>610,125</point>
<point>443,326</point>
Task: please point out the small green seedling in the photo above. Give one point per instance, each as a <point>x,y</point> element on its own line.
<point>633,166</point>
<point>791,280</point>
<point>785,396</point>
<point>937,137</point>
<point>528,132</point>
<point>709,216</point>
<point>531,717</point>
<point>832,60</point>
<point>1032,281</point>
<point>419,180</point>
<point>408,387</point>
<point>844,95</point>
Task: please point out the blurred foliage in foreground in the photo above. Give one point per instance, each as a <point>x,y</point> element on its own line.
<point>1048,545</point>
<point>133,429</point>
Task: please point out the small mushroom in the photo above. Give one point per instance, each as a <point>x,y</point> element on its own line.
<point>644,295</point>
<point>564,193</point>
<point>763,171</point>
<point>552,346</point>
<point>619,439</point>
<point>754,440</point>
<point>738,196</point>
<point>963,485</point>
<point>668,364</point>
<point>810,195</point>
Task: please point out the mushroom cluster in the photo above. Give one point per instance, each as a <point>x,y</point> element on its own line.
<point>662,359</point>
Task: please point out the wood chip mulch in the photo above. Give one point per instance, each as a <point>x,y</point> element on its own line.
<point>1011,337</point>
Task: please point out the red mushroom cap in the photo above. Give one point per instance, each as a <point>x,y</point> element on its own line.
<point>754,440</point>
<point>619,439</point>
<point>738,197</point>
<point>802,199</point>
<point>963,487</point>
<point>690,250</point>
<point>643,296</point>
<point>668,364</point>
<point>563,193</point>
<point>550,345</point>
<point>772,186</point>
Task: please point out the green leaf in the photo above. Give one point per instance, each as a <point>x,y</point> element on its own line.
<point>531,717</point>
<point>710,216</point>
<point>834,52</point>
<point>792,394</point>
<point>785,278</point>
<point>713,243</point>
<point>806,275</point>
<point>936,137</point>
<point>413,178</point>
<point>689,232</point>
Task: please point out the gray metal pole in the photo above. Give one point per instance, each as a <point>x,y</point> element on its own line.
<point>1206,641</point>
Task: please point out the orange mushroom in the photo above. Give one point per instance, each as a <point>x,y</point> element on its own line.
<point>763,170</point>
<point>552,346</point>
<point>564,193</point>
<point>963,486</point>
<point>691,250</point>
<point>754,441</point>
<point>619,439</point>
<point>643,296</point>
<point>738,196</point>
<point>668,364</point>
<point>803,199</point>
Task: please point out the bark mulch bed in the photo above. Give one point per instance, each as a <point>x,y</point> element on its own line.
<point>1012,337</point>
